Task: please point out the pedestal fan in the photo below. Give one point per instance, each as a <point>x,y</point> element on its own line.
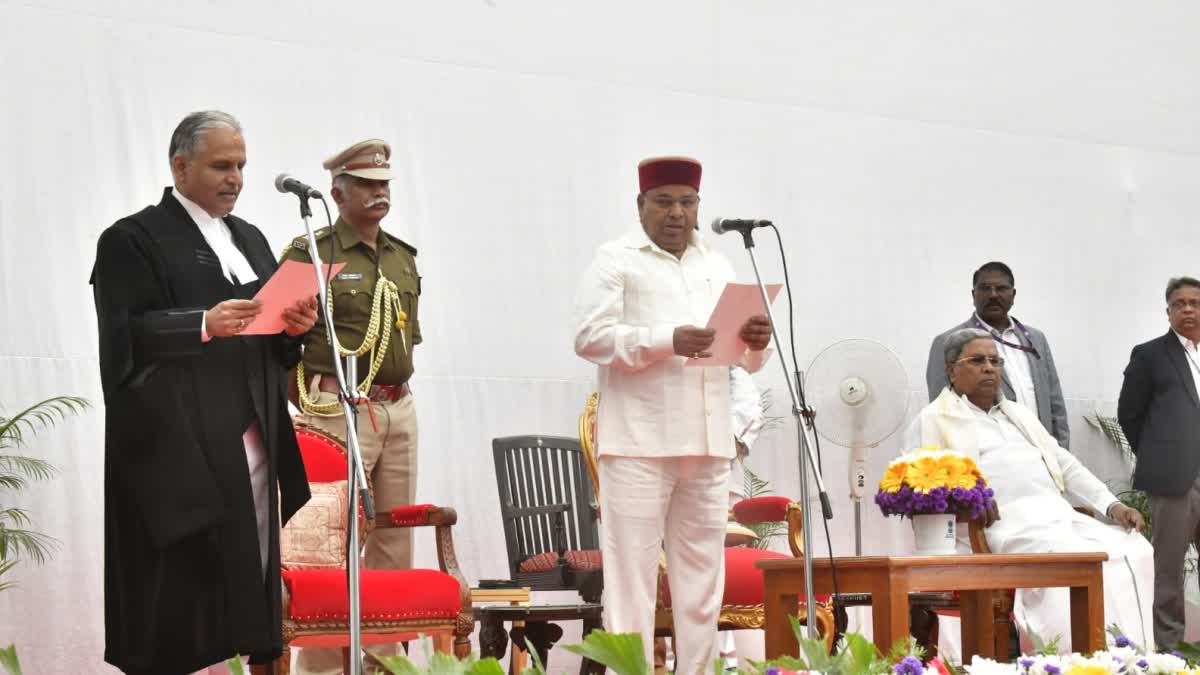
<point>859,391</point>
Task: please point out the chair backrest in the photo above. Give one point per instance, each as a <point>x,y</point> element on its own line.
<point>587,440</point>
<point>545,497</point>
<point>324,456</point>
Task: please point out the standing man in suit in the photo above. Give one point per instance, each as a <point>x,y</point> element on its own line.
<point>200,459</point>
<point>1160,413</point>
<point>1029,376</point>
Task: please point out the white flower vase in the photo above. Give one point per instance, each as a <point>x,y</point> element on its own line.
<point>935,533</point>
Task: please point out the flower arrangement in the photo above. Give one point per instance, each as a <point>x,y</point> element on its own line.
<point>1122,659</point>
<point>931,480</point>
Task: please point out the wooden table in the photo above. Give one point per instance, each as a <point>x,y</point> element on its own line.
<point>889,580</point>
<point>535,623</point>
<point>514,597</point>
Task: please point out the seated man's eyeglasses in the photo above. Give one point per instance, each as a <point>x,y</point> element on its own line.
<point>979,359</point>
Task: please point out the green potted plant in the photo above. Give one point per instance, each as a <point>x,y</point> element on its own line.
<point>18,540</point>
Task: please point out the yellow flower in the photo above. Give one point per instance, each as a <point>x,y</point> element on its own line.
<point>925,473</point>
<point>893,478</point>
<point>972,467</point>
<point>1088,669</point>
<point>958,473</point>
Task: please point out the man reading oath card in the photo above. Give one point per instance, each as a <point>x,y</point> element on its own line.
<point>200,459</point>
<point>663,431</point>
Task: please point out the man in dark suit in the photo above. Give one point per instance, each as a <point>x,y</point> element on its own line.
<point>200,457</point>
<point>1029,376</point>
<point>1159,410</point>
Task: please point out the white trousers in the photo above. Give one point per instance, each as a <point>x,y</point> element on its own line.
<point>258,465</point>
<point>681,502</point>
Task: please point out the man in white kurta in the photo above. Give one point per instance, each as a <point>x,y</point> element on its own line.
<point>663,428</point>
<point>1033,478</point>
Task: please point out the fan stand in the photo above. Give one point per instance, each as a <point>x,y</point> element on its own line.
<point>854,392</point>
<point>858,485</point>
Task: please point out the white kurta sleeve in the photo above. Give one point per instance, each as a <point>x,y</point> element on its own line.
<point>601,335</point>
<point>1083,485</point>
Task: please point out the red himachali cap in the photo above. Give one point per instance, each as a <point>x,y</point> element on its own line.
<point>660,171</point>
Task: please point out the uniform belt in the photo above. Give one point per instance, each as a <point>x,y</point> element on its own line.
<point>380,393</point>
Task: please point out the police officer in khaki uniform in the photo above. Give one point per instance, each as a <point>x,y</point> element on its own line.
<point>374,303</point>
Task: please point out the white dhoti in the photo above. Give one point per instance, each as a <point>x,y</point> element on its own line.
<point>1049,525</point>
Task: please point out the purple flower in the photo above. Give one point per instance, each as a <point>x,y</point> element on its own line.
<point>909,665</point>
<point>1052,669</point>
<point>1143,664</point>
<point>906,502</point>
<point>1026,663</point>
<point>1122,641</point>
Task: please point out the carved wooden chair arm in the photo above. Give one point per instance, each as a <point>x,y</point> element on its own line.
<point>442,519</point>
<point>975,533</point>
<point>417,515</point>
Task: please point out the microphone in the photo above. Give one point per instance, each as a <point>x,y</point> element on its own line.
<point>723,225</point>
<point>285,183</point>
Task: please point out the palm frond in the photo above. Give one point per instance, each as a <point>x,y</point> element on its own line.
<point>766,533</point>
<point>753,485</point>
<point>42,415</point>
<point>21,543</point>
<point>29,467</point>
<point>18,517</point>
<point>1111,428</point>
<point>5,567</point>
<point>765,400</point>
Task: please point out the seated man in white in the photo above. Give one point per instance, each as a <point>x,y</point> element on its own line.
<point>1033,477</point>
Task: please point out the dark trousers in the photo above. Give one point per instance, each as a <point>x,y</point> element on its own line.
<point>1175,520</point>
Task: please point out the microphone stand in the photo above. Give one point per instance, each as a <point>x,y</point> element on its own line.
<point>356,477</point>
<point>804,446</point>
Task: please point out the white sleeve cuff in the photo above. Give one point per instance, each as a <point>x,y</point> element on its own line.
<point>662,342</point>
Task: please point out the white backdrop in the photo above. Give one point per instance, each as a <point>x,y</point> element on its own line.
<point>898,146</point>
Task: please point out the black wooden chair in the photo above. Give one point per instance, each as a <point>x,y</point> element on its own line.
<point>550,514</point>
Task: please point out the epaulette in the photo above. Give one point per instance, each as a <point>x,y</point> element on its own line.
<point>407,246</point>
<point>301,243</point>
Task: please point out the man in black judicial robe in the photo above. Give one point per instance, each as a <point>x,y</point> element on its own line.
<point>188,583</point>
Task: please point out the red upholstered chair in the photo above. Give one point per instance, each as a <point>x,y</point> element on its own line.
<point>396,605</point>
<point>742,605</point>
